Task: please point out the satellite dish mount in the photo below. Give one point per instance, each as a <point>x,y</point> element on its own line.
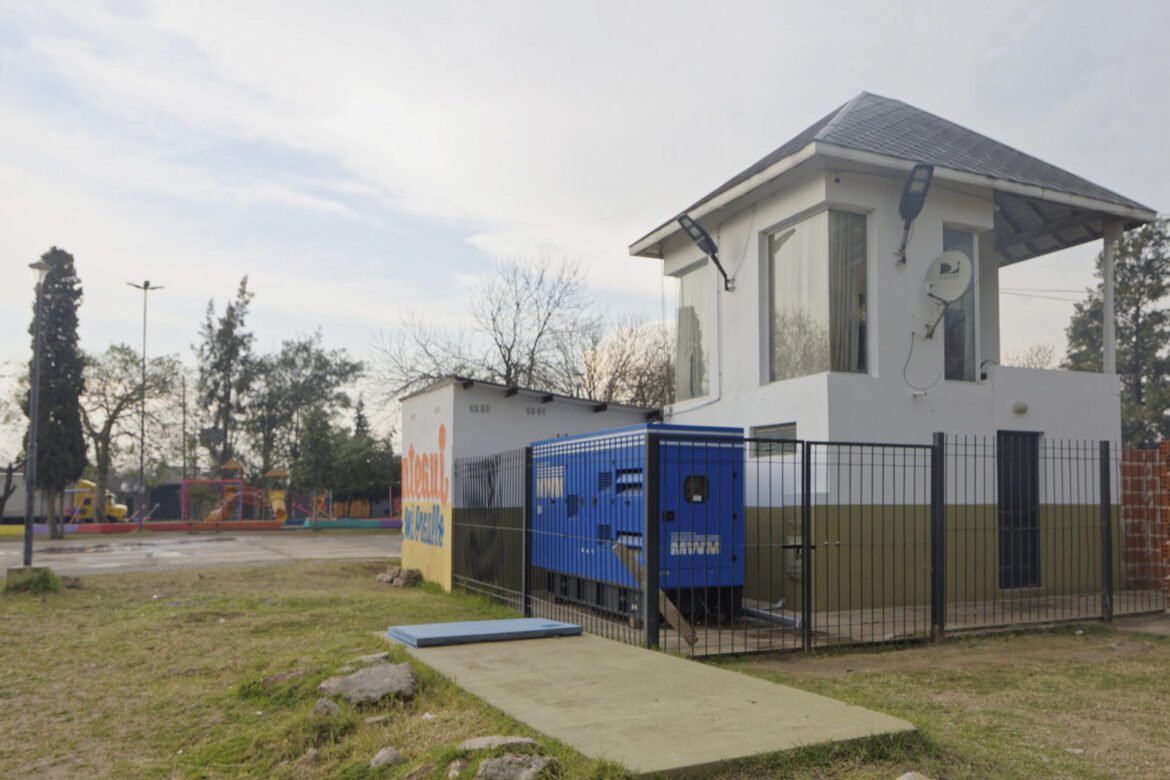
<point>947,280</point>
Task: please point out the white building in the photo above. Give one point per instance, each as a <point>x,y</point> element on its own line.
<point>459,418</point>
<point>824,334</point>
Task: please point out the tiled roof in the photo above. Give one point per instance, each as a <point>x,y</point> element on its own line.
<point>871,123</point>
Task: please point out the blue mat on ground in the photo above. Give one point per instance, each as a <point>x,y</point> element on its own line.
<point>471,631</point>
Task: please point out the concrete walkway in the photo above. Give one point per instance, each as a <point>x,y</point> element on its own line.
<point>103,554</point>
<point>650,711</point>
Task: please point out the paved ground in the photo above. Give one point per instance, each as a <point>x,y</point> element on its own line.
<point>100,554</point>
<point>651,711</point>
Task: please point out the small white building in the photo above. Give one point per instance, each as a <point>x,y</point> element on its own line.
<point>459,418</point>
<point>823,334</point>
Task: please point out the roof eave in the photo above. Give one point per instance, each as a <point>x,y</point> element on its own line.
<point>511,390</point>
<point>1002,185</point>
<point>650,245</point>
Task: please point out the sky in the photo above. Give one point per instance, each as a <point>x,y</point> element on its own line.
<point>359,159</point>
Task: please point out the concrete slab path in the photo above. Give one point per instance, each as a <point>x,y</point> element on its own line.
<point>650,711</point>
<point>102,554</point>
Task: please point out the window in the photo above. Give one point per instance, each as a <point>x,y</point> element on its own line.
<point>959,319</point>
<point>818,296</point>
<point>694,341</point>
<point>781,440</point>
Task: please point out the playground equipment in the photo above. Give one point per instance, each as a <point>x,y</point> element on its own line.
<point>83,503</point>
<point>278,497</point>
<point>223,500</point>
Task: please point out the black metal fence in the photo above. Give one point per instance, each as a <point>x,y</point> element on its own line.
<point>746,545</point>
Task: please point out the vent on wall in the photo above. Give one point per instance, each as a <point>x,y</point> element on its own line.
<point>628,480</point>
<point>572,503</point>
<point>604,532</point>
<point>604,479</point>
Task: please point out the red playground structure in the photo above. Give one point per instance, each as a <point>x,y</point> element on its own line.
<point>216,501</point>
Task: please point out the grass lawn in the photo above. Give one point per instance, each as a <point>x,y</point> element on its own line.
<point>212,672</point>
<point>1079,701</point>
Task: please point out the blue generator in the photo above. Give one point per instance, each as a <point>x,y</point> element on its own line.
<point>588,518</point>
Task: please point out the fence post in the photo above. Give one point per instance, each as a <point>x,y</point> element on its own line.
<point>938,539</point>
<point>806,579</point>
<point>650,509</point>
<point>1106,536</point>
<point>526,539</point>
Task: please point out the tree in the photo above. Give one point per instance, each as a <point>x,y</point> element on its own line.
<point>10,415</point>
<point>113,392</point>
<point>286,385</point>
<point>365,467</point>
<point>60,440</point>
<point>535,315</point>
<point>315,466</point>
<point>226,371</point>
<point>1041,355</point>
<point>361,424</point>
<point>418,354</point>
<point>1142,282</point>
<point>635,364</point>
<point>536,325</point>
<point>10,468</point>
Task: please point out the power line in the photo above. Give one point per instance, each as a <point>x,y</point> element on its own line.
<point>1045,297</point>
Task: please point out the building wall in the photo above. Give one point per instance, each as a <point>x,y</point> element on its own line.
<point>902,397</point>
<point>1145,517</point>
<point>452,422</point>
<point>427,454</point>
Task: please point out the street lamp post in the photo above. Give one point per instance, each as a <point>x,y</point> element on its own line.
<point>30,465</point>
<point>146,288</point>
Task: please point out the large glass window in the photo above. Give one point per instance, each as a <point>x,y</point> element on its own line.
<point>694,341</point>
<point>818,296</point>
<point>959,320</point>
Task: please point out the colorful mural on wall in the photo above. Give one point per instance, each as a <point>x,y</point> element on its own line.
<point>426,513</point>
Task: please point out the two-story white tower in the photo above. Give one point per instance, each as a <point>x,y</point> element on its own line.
<point>824,334</point>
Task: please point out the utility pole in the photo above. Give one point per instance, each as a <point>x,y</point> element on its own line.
<point>183,440</point>
<point>146,288</point>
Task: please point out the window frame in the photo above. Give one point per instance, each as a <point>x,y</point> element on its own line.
<point>707,324</point>
<point>777,446</point>
<point>766,291</point>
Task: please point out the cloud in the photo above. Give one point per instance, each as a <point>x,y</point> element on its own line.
<point>517,127</point>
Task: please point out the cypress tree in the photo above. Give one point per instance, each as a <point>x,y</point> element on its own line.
<point>60,437</point>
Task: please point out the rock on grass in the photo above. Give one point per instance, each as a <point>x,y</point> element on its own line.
<point>386,755</point>
<point>487,743</point>
<point>373,683</point>
<point>325,708</point>
<point>513,767</point>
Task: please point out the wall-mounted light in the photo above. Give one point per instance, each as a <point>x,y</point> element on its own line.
<point>913,199</point>
<point>706,245</point>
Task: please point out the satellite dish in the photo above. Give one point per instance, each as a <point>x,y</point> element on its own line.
<point>949,276</point>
